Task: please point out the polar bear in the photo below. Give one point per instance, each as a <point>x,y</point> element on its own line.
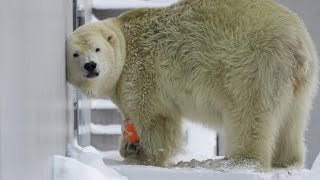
<point>247,67</point>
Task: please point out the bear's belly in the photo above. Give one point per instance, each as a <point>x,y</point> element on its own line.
<point>203,112</point>
<point>195,104</point>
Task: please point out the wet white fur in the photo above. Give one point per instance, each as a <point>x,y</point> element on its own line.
<point>247,67</point>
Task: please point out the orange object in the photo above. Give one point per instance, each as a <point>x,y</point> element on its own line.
<point>129,131</point>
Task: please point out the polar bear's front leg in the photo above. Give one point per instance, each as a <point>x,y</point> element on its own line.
<point>160,138</point>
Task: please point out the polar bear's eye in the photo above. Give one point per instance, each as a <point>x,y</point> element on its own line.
<point>75,55</point>
<point>109,38</point>
<point>97,49</point>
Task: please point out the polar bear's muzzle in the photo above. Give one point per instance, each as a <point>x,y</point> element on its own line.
<point>93,75</point>
<point>91,68</point>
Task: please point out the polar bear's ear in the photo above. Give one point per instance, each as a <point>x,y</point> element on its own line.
<point>110,38</point>
<point>107,36</point>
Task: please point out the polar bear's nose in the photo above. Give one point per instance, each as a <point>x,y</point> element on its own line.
<point>90,66</point>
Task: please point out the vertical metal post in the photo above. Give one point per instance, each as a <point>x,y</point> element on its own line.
<point>74,14</point>
<point>78,20</point>
<point>76,97</point>
<point>217,145</point>
<point>80,14</point>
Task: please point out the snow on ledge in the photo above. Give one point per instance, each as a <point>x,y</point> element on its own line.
<point>96,104</point>
<point>84,164</point>
<point>94,18</point>
<point>316,164</point>
<point>105,129</point>
<point>156,173</point>
<point>88,165</point>
<point>130,4</point>
<point>71,169</point>
<point>135,172</point>
<point>102,104</point>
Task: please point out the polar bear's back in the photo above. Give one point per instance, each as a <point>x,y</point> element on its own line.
<point>226,26</point>
<point>218,28</point>
<point>217,48</point>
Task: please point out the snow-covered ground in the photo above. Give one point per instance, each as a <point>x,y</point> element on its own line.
<point>105,129</point>
<point>102,103</point>
<point>96,103</point>
<point>88,164</point>
<point>130,4</point>
<point>83,164</point>
<point>66,168</point>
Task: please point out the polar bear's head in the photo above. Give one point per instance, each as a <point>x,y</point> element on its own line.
<point>95,58</point>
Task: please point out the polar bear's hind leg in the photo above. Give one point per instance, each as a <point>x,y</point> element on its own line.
<point>290,149</point>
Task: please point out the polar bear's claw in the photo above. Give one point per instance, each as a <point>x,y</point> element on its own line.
<point>132,148</point>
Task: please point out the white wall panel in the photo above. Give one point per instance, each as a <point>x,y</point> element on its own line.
<point>33,90</point>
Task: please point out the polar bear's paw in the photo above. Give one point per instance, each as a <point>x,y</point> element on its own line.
<point>133,148</point>
<point>129,149</point>
<point>133,153</point>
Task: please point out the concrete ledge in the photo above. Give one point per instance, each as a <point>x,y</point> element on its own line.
<point>112,160</point>
<point>155,173</point>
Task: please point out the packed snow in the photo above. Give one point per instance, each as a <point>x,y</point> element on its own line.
<point>200,171</point>
<point>83,164</point>
<point>105,129</point>
<point>94,18</point>
<point>316,164</point>
<point>102,104</point>
<point>96,103</point>
<point>71,169</point>
<point>88,163</point>
<point>130,4</point>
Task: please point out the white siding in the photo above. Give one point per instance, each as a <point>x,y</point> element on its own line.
<point>33,90</point>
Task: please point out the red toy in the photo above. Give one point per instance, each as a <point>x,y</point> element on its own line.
<point>129,131</point>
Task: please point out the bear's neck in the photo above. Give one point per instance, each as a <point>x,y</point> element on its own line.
<point>109,85</point>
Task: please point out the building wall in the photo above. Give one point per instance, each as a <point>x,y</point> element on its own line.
<point>309,11</point>
<point>34,103</point>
